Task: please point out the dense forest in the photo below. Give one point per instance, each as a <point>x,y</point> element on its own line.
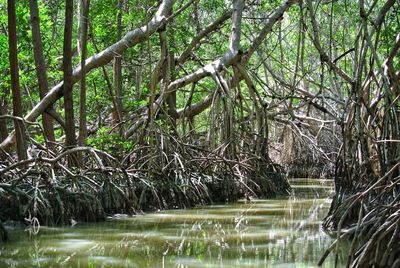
<point>127,105</point>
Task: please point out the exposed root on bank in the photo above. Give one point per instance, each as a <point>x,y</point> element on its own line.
<point>153,176</point>
<point>371,218</point>
<point>307,149</point>
<point>47,189</point>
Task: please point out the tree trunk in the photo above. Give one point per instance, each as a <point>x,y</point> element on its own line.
<point>16,94</point>
<point>68,82</point>
<point>83,42</point>
<point>3,111</point>
<point>171,100</point>
<point>117,72</point>
<point>41,71</point>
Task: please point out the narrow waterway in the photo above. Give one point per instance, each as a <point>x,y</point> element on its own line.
<point>284,232</point>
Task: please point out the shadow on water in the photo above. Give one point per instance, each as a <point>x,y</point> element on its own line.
<point>263,233</point>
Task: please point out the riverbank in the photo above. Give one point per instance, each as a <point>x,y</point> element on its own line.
<point>47,192</point>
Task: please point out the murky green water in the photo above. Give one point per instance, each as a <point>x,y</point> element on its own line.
<point>263,233</point>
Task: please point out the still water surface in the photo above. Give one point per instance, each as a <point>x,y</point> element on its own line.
<point>284,232</point>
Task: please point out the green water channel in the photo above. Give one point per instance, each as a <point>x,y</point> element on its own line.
<point>284,232</point>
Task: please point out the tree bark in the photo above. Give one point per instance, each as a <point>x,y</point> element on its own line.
<point>16,94</point>
<point>68,79</point>
<point>41,71</point>
<point>83,42</point>
<point>117,72</point>
<point>3,111</point>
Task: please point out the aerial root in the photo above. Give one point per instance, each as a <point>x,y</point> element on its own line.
<point>375,232</point>
<point>176,175</point>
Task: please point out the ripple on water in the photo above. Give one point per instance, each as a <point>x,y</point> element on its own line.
<point>103,261</point>
<point>75,244</point>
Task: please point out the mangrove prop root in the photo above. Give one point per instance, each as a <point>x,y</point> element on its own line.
<point>376,231</point>
<point>174,175</point>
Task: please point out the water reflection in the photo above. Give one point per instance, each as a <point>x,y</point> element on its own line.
<point>263,233</point>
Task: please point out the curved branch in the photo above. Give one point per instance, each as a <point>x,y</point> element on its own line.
<point>233,55</point>
<point>275,17</point>
<point>225,61</point>
<point>324,57</point>
<point>196,108</point>
<point>205,32</point>
<point>54,160</point>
